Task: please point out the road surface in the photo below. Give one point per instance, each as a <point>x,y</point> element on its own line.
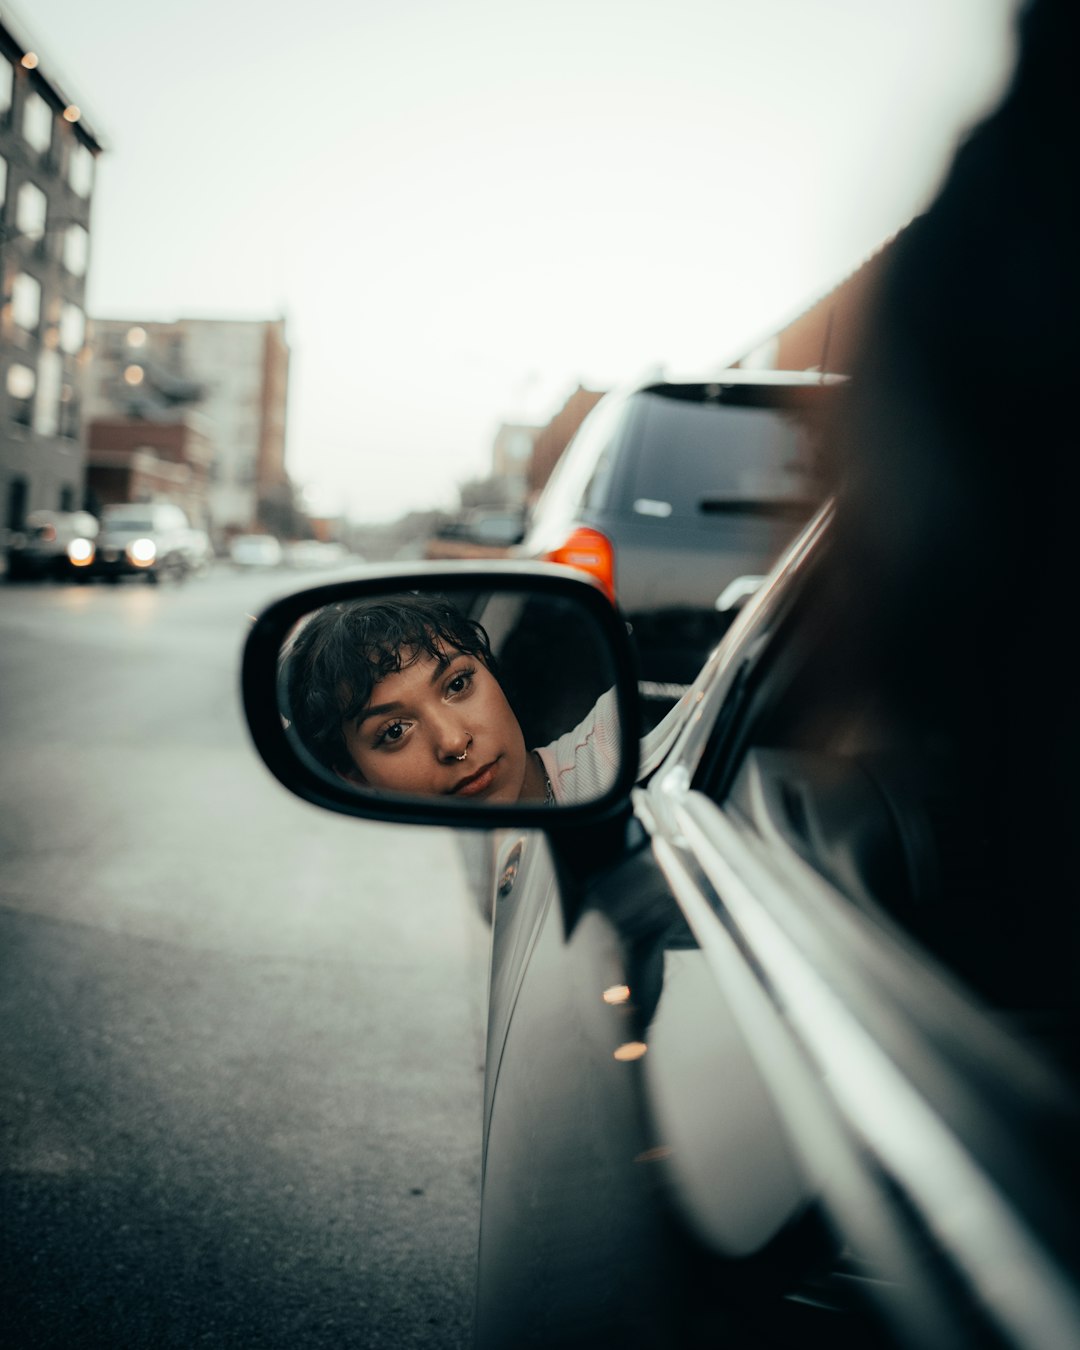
<point>241,1059</point>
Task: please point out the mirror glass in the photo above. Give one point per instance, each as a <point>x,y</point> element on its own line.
<point>487,698</point>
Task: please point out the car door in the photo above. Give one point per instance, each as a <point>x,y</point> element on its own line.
<point>640,1182</point>
<point>736,1090</point>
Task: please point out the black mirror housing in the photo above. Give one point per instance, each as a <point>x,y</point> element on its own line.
<point>472,587</point>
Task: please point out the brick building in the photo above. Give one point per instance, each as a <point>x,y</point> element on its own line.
<point>231,375</point>
<point>129,460</point>
<point>511,453</point>
<point>825,336</point>
<point>553,439</point>
<point>47,161</point>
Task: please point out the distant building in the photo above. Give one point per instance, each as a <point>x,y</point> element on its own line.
<point>553,439</point>
<point>511,454</point>
<point>130,460</point>
<point>47,161</point>
<point>231,374</point>
<point>825,336</point>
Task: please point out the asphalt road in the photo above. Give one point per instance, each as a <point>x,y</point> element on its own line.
<point>240,1068</point>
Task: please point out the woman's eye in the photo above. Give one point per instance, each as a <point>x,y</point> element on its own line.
<point>460,682</point>
<point>390,734</point>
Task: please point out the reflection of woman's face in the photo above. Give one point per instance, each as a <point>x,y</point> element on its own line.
<point>422,719</point>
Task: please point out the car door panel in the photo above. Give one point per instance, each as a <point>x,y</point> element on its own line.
<point>573,1249</point>
<point>639,1181</point>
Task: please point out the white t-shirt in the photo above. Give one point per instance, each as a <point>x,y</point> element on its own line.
<point>581,765</point>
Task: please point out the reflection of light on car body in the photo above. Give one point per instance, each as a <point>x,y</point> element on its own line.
<point>656,1154</point>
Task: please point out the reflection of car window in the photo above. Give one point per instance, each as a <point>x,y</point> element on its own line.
<point>714,453</point>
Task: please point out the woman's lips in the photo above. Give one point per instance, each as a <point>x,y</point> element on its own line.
<point>476,782</point>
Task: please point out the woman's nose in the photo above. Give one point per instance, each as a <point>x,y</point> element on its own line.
<point>453,742</point>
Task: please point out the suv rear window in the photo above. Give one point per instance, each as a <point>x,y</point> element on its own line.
<point>700,458</point>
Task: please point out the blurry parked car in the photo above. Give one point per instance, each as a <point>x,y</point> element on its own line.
<point>256,550</point>
<point>316,554</point>
<point>41,549</point>
<point>483,532</point>
<point>150,539</point>
<point>670,491</point>
<point>200,550</point>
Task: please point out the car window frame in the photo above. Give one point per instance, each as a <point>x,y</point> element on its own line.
<point>716,696</point>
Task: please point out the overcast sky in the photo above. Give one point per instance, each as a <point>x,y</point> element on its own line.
<point>464,208</point>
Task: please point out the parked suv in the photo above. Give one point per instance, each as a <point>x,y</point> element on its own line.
<point>151,539</point>
<point>671,492</point>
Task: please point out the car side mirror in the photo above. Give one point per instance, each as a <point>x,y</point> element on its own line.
<point>449,695</point>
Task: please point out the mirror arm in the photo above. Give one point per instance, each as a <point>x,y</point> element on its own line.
<point>583,854</point>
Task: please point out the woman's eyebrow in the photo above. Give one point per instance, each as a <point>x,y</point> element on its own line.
<point>442,664</point>
<point>376,711</point>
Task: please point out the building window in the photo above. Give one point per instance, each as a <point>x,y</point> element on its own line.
<point>67,498</point>
<point>26,301</point>
<point>37,122</point>
<point>47,403</point>
<point>72,328</point>
<point>30,210</point>
<point>20,386</point>
<point>7,85</point>
<point>76,250</point>
<point>18,493</point>
<point>69,413</point>
<point>81,169</point>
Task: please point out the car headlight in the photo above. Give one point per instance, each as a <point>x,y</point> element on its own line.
<point>80,552</point>
<point>141,552</point>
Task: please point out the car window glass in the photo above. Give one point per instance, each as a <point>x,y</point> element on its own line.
<point>713,455</point>
<point>888,798</point>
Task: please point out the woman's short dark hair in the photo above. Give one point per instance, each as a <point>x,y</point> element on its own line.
<point>343,650</point>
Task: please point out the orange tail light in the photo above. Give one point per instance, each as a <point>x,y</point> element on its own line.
<point>591,552</point>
